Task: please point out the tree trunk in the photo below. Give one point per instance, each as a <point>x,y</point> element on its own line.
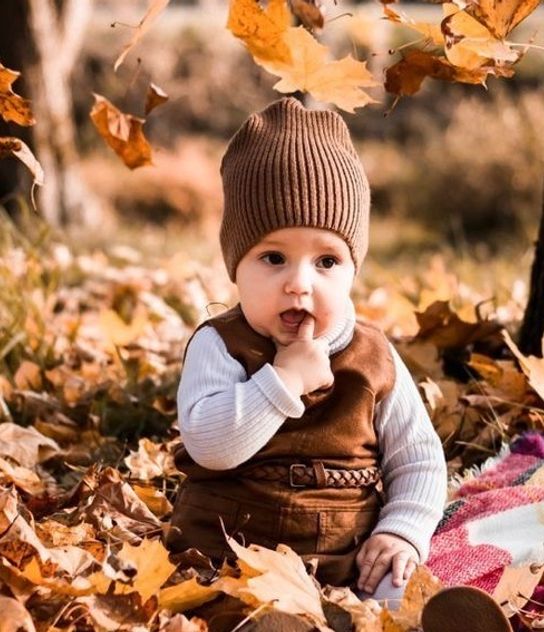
<point>45,37</point>
<point>532,327</point>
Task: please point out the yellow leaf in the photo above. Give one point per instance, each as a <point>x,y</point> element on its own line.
<point>501,16</point>
<point>13,107</point>
<point>153,568</point>
<point>338,81</point>
<point>282,580</point>
<point>187,595</point>
<point>430,31</point>
<point>532,366</point>
<point>154,8</point>
<point>155,500</point>
<point>122,132</point>
<point>261,30</point>
<point>117,332</point>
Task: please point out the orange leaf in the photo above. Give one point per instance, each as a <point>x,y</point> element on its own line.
<point>10,146</point>
<point>261,30</point>
<point>154,8</point>
<point>532,366</point>
<point>13,107</point>
<point>501,16</point>
<point>122,132</point>
<point>155,97</point>
<point>338,81</point>
<point>406,76</point>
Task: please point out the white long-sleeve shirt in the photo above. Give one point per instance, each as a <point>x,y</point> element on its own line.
<point>225,418</point>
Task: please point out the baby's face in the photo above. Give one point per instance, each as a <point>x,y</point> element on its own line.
<point>293,271</point>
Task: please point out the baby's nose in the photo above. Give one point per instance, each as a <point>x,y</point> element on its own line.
<point>299,281</point>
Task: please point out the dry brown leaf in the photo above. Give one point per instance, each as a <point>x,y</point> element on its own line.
<point>26,446</point>
<point>155,96</point>
<point>501,16</point>
<point>406,76</point>
<point>122,132</point>
<point>338,81</point>
<point>155,7</point>
<point>10,146</point>
<point>116,613</point>
<point>502,378</point>
<point>12,106</point>
<point>28,376</point>
<point>151,460</point>
<point>365,615</point>
<point>15,617</point>
<point>532,366</point>
<point>282,580</point>
<point>261,30</point>
<point>21,477</point>
<point>180,623</point>
<point>309,12</point>
<point>153,568</point>
<point>516,586</point>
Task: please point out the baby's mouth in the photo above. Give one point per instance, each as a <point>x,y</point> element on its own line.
<point>293,317</point>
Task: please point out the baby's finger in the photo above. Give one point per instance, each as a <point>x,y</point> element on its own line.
<point>410,568</point>
<point>306,328</point>
<point>400,563</point>
<point>379,569</point>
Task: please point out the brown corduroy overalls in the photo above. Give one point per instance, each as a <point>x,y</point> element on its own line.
<point>336,430</point>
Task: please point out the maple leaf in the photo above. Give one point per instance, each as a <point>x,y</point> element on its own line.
<point>15,617</point>
<point>12,106</point>
<point>154,8</point>
<point>154,97</point>
<point>500,16</point>
<point>261,30</point>
<point>122,132</point>
<point>10,146</point>
<point>337,81</point>
<point>26,446</point>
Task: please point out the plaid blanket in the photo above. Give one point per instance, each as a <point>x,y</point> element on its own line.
<point>495,518</point>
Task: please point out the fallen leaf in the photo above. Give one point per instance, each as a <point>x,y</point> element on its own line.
<point>12,106</point>
<point>365,615</point>
<point>338,81</point>
<point>187,595</point>
<point>154,500</point>
<point>260,29</point>
<point>151,460</point>
<point>155,97</point>
<point>10,146</point>
<point>154,9</point>
<point>117,332</point>
<point>15,617</point>
<point>516,586</point>
<point>28,376</point>
<point>281,579</point>
<point>26,446</point>
<point>532,366</point>
<point>122,132</point>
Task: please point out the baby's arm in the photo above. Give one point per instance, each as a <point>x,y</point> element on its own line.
<point>224,417</point>
<point>415,475</point>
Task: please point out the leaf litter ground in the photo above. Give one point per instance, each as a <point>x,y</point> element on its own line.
<point>90,359</point>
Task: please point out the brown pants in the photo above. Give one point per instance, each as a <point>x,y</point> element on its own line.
<point>324,524</point>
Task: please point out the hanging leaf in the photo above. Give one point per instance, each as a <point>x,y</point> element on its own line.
<point>500,16</point>
<point>309,12</point>
<point>154,97</point>
<point>10,146</point>
<point>122,132</point>
<point>155,7</point>
<point>12,106</point>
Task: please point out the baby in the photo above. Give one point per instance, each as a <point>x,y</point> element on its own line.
<point>301,425</point>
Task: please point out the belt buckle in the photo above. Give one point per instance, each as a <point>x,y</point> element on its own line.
<point>291,471</point>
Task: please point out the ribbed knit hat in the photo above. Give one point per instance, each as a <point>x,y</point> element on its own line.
<point>288,166</point>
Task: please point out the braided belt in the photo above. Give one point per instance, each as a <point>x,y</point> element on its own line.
<point>315,475</point>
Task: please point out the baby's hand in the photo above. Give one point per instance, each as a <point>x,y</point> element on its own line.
<point>381,552</point>
<point>304,364</point>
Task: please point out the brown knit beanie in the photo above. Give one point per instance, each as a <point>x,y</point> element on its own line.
<point>288,166</point>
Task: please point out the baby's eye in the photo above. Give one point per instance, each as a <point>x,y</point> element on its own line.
<point>328,262</point>
<point>274,258</point>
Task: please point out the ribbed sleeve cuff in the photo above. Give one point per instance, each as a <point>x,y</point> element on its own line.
<point>275,391</point>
